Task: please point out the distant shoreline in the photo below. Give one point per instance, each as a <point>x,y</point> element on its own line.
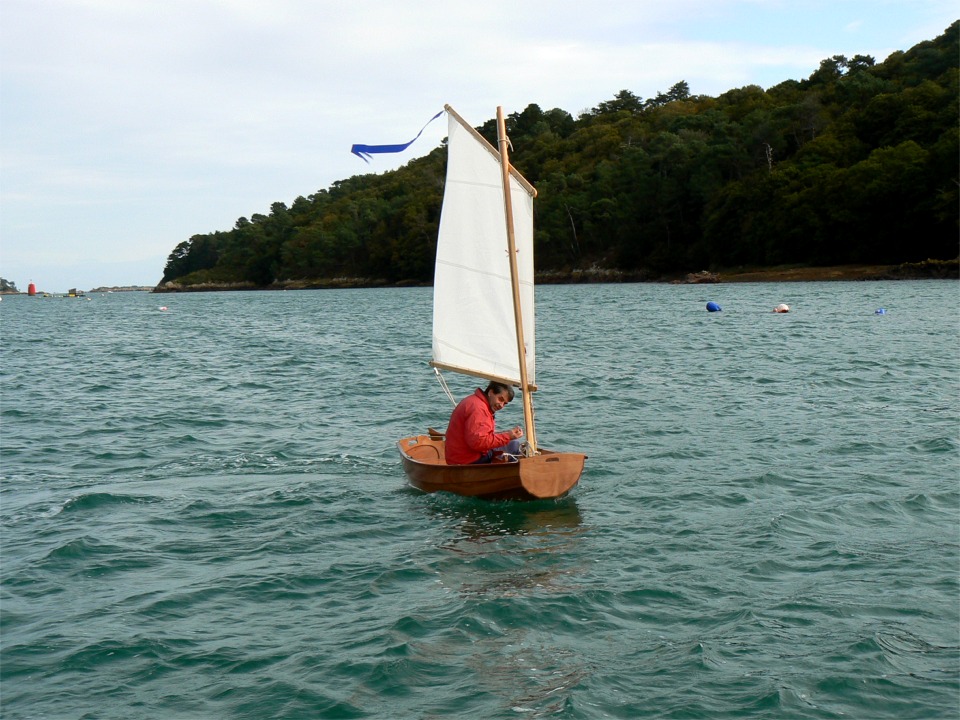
<point>927,270</point>
<point>113,289</point>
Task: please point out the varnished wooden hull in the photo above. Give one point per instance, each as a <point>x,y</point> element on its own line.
<point>548,475</point>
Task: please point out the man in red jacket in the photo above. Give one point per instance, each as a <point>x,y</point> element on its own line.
<point>471,434</point>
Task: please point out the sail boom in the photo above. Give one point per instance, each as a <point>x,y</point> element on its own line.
<point>502,379</point>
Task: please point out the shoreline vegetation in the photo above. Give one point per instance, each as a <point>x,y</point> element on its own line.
<point>926,270</point>
<point>854,167</point>
<point>848,175</point>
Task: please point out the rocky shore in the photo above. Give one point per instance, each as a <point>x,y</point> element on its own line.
<point>926,270</point>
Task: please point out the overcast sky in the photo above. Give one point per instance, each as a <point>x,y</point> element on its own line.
<point>126,126</point>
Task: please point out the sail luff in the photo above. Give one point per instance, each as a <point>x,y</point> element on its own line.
<point>515,283</point>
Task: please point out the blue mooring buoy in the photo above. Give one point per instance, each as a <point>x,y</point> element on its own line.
<point>713,307</point>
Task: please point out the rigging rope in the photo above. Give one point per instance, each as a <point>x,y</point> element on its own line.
<point>443,384</point>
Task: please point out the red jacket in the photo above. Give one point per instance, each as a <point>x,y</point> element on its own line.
<point>472,430</point>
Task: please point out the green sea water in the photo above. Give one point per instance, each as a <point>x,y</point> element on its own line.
<point>203,513</point>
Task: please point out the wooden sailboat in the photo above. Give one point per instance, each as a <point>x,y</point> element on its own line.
<point>483,316</point>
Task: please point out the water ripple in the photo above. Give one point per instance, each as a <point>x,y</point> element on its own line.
<point>202,513</point>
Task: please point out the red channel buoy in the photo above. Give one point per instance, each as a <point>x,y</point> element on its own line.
<point>31,289</point>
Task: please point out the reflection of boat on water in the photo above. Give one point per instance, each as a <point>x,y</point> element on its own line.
<point>506,549</point>
<point>478,521</point>
<point>483,316</point>
<point>517,571</point>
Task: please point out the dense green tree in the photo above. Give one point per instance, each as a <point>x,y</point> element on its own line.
<point>855,164</point>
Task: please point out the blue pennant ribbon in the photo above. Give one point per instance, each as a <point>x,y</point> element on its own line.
<point>365,151</point>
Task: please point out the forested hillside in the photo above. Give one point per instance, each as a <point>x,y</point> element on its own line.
<point>856,164</point>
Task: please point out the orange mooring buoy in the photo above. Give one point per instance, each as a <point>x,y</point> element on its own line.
<point>31,289</point>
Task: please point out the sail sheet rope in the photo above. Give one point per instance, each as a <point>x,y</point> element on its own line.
<point>443,384</point>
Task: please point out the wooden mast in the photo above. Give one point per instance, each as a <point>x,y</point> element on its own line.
<point>515,283</point>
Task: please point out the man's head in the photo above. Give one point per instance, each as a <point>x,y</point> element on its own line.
<point>498,395</point>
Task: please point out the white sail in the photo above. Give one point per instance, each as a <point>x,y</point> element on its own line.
<point>474,328</point>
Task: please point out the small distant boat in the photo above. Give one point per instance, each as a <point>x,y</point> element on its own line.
<point>483,317</point>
